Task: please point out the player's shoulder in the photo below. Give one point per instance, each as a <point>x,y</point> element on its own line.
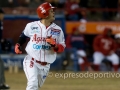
<point>32,23</point>
<point>98,37</point>
<point>55,26</point>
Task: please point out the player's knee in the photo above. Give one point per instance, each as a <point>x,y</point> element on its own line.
<point>80,61</point>
<point>116,60</point>
<point>97,61</point>
<point>33,84</point>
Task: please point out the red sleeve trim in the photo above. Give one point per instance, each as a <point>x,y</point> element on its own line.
<point>59,49</point>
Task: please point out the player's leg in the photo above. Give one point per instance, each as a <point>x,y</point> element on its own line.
<point>83,61</point>
<point>2,76</point>
<point>42,74</point>
<point>31,73</point>
<point>74,57</point>
<point>97,59</point>
<point>81,64</point>
<point>115,61</point>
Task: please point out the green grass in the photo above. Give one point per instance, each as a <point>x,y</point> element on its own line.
<point>17,81</point>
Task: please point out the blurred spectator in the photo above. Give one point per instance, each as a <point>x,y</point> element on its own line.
<point>18,3</point>
<point>117,40</point>
<point>83,3</point>
<point>50,1</point>
<point>109,4</point>
<point>94,14</point>
<point>78,44</point>
<point>57,4</point>
<point>13,3</point>
<point>25,3</point>
<point>3,86</point>
<point>5,46</point>
<point>1,22</point>
<point>9,3</point>
<point>83,18</point>
<point>62,2</point>
<point>71,10</point>
<point>104,49</point>
<point>3,3</point>
<point>117,18</point>
<point>2,76</point>
<point>93,3</point>
<point>35,3</point>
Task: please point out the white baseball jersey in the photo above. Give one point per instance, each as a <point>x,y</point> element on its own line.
<point>37,47</point>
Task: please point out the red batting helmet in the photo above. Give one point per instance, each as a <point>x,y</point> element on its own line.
<point>43,9</point>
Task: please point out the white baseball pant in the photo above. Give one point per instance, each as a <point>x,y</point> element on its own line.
<point>81,53</point>
<point>36,74</point>
<point>98,57</point>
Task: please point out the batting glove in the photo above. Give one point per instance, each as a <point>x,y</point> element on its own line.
<point>18,49</point>
<point>51,41</point>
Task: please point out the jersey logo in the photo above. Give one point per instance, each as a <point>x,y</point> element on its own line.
<point>55,32</point>
<point>38,39</point>
<point>38,47</point>
<point>31,64</point>
<point>36,28</point>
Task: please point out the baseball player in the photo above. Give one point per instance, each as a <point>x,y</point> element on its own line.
<point>104,47</point>
<point>46,40</point>
<point>78,44</point>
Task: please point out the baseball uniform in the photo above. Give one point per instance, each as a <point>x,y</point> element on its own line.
<point>44,44</point>
<point>104,47</point>
<point>38,50</point>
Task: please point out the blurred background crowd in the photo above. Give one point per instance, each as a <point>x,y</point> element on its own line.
<point>73,9</point>
<point>82,50</point>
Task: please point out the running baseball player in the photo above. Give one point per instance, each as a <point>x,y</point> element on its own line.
<point>46,40</point>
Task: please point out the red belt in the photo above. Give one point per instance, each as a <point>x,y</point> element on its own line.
<point>42,63</point>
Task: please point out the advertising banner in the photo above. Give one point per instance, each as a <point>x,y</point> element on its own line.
<point>92,27</point>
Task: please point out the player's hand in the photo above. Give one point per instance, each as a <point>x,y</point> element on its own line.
<point>51,41</point>
<point>18,49</point>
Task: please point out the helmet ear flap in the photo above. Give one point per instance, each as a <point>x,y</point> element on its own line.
<point>44,14</point>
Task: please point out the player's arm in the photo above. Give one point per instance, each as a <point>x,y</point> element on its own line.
<point>22,39</point>
<point>96,43</point>
<point>114,46</point>
<point>60,46</point>
<point>57,46</point>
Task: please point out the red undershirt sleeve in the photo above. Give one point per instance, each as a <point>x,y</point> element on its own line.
<point>59,48</point>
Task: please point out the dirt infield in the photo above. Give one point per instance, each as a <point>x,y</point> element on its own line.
<point>69,81</point>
